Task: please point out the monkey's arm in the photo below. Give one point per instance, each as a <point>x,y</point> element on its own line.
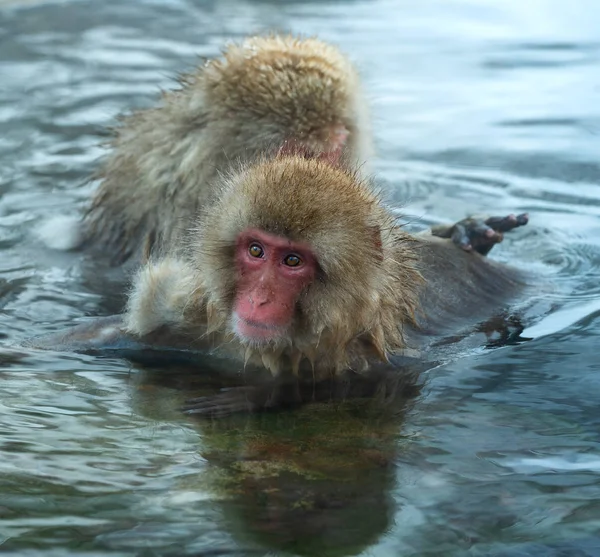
<point>108,337</point>
<point>462,289</point>
<point>480,234</point>
<point>162,296</point>
<point>161,325</point>
<point>153,324</point>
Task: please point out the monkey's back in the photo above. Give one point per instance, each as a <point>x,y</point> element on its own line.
<point>462,292</point>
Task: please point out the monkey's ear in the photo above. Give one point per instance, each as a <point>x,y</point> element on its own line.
<point>375,236</point>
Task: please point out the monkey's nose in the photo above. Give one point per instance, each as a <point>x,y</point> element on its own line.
<point>259,299</point>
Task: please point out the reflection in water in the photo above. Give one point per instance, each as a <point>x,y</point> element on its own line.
<point>316,481</point>
<point>478,106</point>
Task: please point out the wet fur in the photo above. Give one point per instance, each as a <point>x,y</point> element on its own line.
<point>250,101</point>
<point>367,279</point>
<point>379,289</point>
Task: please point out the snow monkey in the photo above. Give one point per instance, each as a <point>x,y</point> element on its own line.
<point>297,268</point>
<point>271,94</point>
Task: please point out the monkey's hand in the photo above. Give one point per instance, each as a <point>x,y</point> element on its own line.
<point>480,234</point>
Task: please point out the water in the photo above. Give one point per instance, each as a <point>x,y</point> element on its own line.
<point>478,106</point>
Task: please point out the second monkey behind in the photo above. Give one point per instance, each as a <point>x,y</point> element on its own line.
<point>266,95</point>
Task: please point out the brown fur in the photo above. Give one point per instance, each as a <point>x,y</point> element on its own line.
<point>378,290</point>
<point>256,97</point>
<point>365,293</point>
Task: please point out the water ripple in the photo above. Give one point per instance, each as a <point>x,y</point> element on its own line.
<point>478,107</point>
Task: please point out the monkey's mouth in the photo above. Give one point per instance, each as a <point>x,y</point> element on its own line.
<point>257,332</point>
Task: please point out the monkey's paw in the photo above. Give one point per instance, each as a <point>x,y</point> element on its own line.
<point>480,234</point>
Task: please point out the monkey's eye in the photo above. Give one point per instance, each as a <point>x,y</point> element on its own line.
<point>292,260</point>
<point>255,250</point>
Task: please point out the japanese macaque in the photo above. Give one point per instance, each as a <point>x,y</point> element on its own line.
<point>266,95</point>
<point>298,268</point>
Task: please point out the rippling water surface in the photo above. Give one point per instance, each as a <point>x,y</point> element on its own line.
<point>478,105</point>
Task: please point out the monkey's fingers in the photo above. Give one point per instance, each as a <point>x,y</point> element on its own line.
<point>484,239</point>
<point>506,224</point>
<point>475,236</point>
<point>460,237</point>
<point>481,234</point>
<point>468,233</point>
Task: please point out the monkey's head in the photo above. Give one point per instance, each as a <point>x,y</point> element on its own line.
<point>290,94</point>
<point>299,254</point>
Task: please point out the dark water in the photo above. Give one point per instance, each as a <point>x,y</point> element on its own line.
<point>478,105</point>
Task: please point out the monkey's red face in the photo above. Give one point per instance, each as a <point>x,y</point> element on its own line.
<point>273,272</point>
